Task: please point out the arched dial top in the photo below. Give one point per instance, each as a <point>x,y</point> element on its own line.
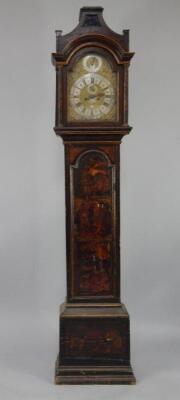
<point>92,90</point>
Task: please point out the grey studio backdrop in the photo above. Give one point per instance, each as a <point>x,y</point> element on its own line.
<point>33,276</point>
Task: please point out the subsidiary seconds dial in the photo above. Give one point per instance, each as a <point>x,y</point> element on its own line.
<point>92,96</point>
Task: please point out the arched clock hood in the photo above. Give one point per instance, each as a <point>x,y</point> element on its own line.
<point>91,30</point>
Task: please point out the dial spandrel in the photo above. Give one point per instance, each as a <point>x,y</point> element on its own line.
<point>92,90</point>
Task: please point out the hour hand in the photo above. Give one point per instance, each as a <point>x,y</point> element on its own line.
<point>93,96</point>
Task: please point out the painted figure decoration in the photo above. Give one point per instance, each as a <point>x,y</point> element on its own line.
<point>94,176</point>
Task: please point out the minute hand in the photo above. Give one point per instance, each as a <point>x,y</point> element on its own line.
<point>92,96</point>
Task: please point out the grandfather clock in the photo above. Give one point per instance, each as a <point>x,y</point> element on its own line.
<point>92,117</point>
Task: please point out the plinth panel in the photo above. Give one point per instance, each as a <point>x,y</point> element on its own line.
<point>94,340</point>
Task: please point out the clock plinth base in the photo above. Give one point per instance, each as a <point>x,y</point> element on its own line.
<point>94,375</point>
<point>94,346</point>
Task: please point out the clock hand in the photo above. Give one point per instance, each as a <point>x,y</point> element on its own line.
<point>92,96</point>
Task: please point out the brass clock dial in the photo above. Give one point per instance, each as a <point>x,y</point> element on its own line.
<point>92,90</point>
<point>92,96</point>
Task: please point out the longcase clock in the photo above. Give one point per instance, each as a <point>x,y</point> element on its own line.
<point>92,117</point>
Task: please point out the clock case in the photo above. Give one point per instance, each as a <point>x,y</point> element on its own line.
<point>94,324</point>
